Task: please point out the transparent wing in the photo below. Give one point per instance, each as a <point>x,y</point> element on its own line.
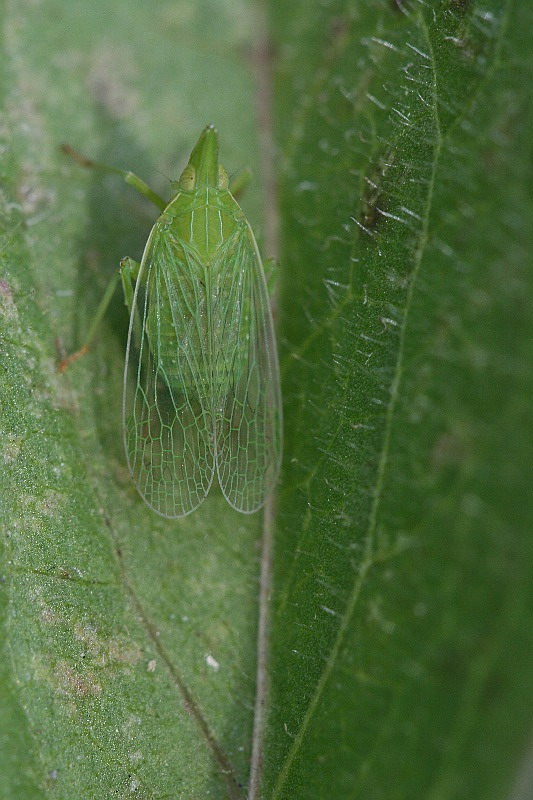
<point>167,406</point>
<point>246,377</point>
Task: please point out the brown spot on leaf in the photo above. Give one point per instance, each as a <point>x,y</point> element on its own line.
<point>69,682</point>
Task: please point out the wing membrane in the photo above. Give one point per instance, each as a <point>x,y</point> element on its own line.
<point>167,408</point>
<point>246,380</point>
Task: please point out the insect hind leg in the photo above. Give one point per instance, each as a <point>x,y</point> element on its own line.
<point>128,272</point>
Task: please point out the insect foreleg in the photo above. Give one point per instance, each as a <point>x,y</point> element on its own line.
<point>127,176</point>
<point>239,181</point>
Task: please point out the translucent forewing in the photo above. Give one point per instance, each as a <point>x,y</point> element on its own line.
<point>167,410</point>
<point>248,403</point>
<point>201,359</point>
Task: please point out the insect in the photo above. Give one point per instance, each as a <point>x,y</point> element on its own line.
<point>201,379</point>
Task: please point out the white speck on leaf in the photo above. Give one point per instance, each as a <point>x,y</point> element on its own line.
<point>212,662</point>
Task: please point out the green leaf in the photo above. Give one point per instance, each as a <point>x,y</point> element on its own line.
<point>402,621</point>
<point>128,640</point>
<point>401,627</point>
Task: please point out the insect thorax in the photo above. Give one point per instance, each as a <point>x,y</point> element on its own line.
<point>204,220</point>
<point>194,289</point>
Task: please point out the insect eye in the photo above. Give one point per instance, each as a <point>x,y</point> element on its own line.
<point>223,179</point>
<point>187,179</point>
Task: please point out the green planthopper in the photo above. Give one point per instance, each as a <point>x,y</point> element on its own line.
<point>201,378</point>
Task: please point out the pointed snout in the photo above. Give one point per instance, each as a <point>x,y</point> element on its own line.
<point>204,157</point>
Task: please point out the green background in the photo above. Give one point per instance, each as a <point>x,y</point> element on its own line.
<point>400,174</point>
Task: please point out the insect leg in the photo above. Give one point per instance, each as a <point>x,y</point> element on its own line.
<point>239,181</point>
<point>127,176</point>
<point>271,267</point>
<point>100,311</point>
<point>129,270</point>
